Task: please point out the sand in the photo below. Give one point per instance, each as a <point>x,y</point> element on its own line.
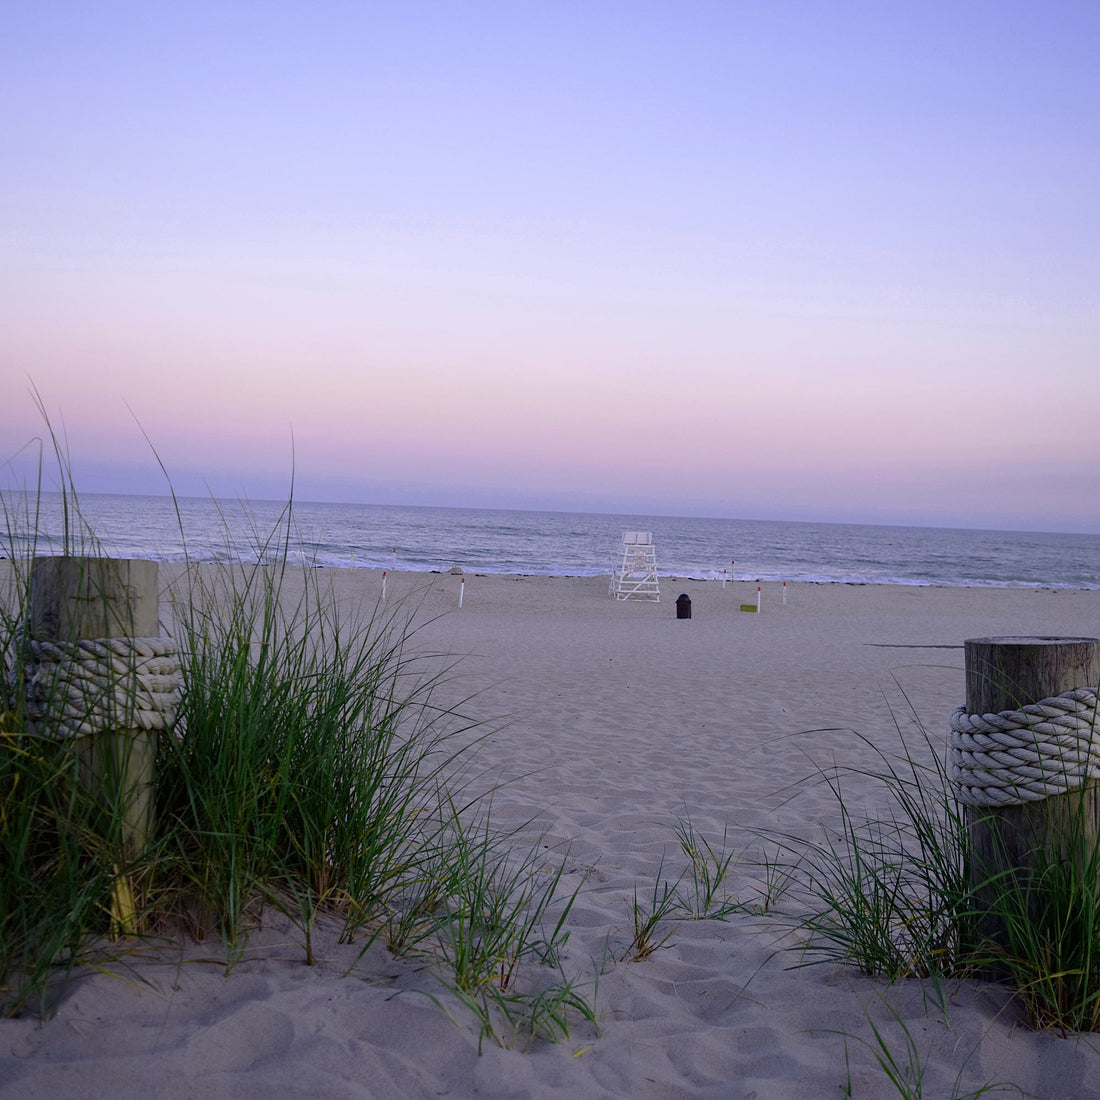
<point>608,723</point>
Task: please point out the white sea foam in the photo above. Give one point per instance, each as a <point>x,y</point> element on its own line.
<point>577,544</point>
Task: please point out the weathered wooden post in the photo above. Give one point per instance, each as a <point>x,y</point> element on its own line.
<point>101,676</point>
<point>1025,764</point>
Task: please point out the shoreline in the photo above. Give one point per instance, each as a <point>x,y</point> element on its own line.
<point>586,544</point>
<point>676,577</point>
<point>459,571</point>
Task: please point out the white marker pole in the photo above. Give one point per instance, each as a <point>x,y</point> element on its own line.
<point>461,590</point>
<point>758,597</point>
<point>383,584</point>
<point>784,593</point>
<point>724,580</point>
<point>395,559</point>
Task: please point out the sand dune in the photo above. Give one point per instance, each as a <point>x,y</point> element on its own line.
<point>608,724</point>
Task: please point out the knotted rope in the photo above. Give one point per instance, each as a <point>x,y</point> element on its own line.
<point>77,688</point>
<point>1019,756</point>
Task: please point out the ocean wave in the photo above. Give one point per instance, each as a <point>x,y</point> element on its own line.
<point>572,544</point>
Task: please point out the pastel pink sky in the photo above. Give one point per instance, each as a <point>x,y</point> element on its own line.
<point>791,260</point>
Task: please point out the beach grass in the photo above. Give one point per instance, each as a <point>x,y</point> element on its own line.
<point>499,932</point>
<point>697,893</point>
<point>1046,929</point>
<point>52,874</point>
<point>904,1068</point>
<point>53,877</point>
<point>702,896</point>
<point>309,768</point>
<point>653,917</point>
<point>887,894</point>
<point>895,895</point>
<point>306,750</point>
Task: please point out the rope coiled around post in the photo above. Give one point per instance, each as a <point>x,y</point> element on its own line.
<point>1024,755</point>
<point>78,688</point>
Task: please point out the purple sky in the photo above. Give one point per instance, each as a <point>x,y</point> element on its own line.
<point>799,260</point>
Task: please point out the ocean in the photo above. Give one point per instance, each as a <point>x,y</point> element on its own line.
<point>361,536</point>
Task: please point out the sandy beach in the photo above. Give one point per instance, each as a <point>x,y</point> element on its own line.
<point>606,725</point>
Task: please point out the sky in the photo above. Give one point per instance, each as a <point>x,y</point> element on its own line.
<point>783,259</point>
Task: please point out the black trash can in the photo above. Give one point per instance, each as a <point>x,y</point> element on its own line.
<point>683,606</point>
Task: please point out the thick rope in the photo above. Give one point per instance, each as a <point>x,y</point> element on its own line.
<point>77,688</point>
<point>1019,756</point>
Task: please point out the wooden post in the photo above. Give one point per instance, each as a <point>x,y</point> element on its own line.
<point>73,598</point>
<point>80,598</point>
<point>1004,674</point>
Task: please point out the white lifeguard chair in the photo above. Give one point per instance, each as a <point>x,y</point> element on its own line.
<point>634,569</point>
